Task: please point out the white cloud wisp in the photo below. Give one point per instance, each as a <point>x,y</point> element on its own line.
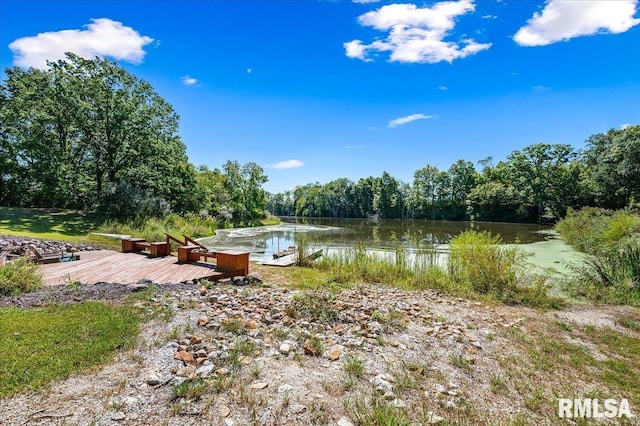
<point>408,119</point>
<point>102,37</point>
<point>564,20</point>
<point>287,164</point>
<point>187,80</point>
<point>416,34</point>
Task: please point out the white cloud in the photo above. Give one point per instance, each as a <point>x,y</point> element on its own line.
<point>409,118</point>
<point>489,16</point>
<point>354,146</point>
<point>249,70</point>
<point>625,126</point>
<point>564,20</point>
<point>189,81</point>
<point>416,34</point>
<point>366,1</point>
<point>443,88</point>
<point>287,164</point>
<point>103,37</point>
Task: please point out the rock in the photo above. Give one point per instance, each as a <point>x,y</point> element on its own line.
<point>203,291</point>
<point>284,348</point>
<point>134,288</point>
<point>308,350</point>
<point>298,409</point>
<point>195,340</point>
<point>440,388</point>
<point>202,321</point>
<point>224,411</point>
<point>185,357</point>
<point>345,422</point>
<point>333,355</point>
<point>253,279</point>
<point>258,385</point>
<point>205,370</point>
<point>285,388</point>
<point>433,419</point>
<point>398,403</point>
<point>381,384</point>
<point>118,416</point>
<point>228,422</point>
<point>153,379</point>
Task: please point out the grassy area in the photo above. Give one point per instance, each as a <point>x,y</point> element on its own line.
<point>560,360</point>
<point>42,345</point>
<point>64,225</point>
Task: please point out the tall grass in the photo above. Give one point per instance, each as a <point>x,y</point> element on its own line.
<point>479,266</point>
<point>154,229</point>
<point>611,273</point>
<point>19,276</point>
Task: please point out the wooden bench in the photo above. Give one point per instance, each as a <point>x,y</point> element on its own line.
<point>230,262</point>
<point>157,249</point>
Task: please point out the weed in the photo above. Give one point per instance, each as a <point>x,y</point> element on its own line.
<point>317,305</point>
<point>19,276</point>
<point>498,384</point>
<point>280,333</point>
<point>314,344</point>
<point>190,389</point>
<point>255,372</point>
<point>629,323</point>
<point>564,326</point>
<point>354,366</point>
<point>375,411</point>
<point>232,325</point>
<point>536,400</point>
<point>459,361</point>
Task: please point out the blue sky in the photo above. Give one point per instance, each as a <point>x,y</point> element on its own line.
<point>316,90</point>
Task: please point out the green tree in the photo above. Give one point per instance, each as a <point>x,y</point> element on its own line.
<point>85,131</point>
<point>612,167</point>
<point>247,199</point>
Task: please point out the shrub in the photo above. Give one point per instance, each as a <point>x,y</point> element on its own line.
<point>478,259</point>
<point>20,276</point>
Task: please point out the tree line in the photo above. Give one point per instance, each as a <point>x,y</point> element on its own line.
<point>86,134</point>
<point>536,184</point>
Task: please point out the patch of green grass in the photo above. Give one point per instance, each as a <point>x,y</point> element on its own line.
<point>354,366</point>
<point>42,345</point>
<point>376,411</point>
<point>629,323</point>
<point>191,389</point>
<point>19,276</point>
<point>54,224</point>
<point>498,384</point>
<point>314,304</point>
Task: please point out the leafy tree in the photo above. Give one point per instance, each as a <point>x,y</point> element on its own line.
<point>80,132</point>
<point>541,176</point>
<point>247,199</point>
<point>612,167</point>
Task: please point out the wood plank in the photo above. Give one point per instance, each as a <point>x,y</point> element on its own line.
<point>127,268</point>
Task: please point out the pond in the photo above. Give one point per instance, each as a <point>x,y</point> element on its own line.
<point>263,241</point>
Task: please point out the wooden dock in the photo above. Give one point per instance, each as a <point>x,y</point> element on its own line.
<point>287,260</point>
<point>291,259</point>
<point>126,268</point>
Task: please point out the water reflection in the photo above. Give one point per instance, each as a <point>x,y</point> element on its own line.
<point>263,241</point>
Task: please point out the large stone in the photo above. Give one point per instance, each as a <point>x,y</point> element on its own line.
<point>185,357</point>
